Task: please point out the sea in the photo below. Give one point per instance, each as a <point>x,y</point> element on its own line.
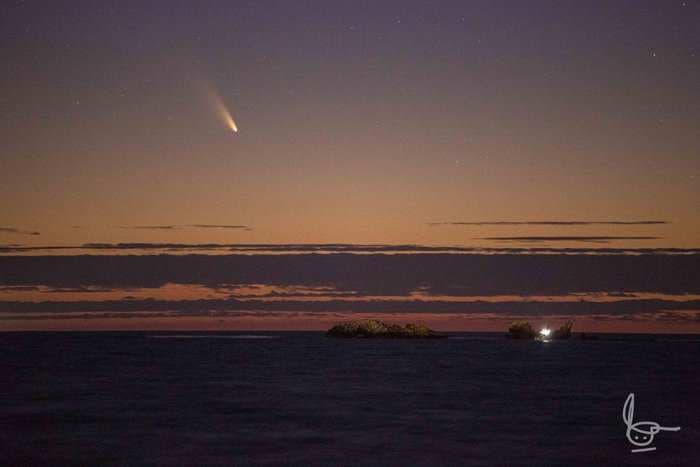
<point>301,398</point>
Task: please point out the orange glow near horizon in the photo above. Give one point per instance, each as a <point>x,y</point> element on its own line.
<point>322,322</point>
<point>452,126</point>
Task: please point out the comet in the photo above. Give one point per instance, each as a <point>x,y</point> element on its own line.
<point>221,110</point>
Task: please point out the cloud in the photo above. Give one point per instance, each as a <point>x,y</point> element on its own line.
<point>620,294</point>
<point>178,227</point>
<point>78,290</point>
<point>370,274</point>
<point>208,306</point>
<point>13,230</point>
<point>359,248</point>
<point>263,248</point>
<point>20,288</point>
<point>213,226</point>
<point>150,227</point>
<point>596,239</point>
<point>557,223</point>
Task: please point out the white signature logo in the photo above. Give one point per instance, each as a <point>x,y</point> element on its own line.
<point>641,434</point>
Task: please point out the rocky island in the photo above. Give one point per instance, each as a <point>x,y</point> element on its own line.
<point>376,328</point>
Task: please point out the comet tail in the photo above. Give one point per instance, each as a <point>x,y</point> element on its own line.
<point>221,110</point>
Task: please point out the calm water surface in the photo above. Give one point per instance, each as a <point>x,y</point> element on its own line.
<point>304,399</point>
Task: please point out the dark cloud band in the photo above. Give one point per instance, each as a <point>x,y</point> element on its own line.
<point>12,230</point>
<point>370,274</point>
<point>206,306</point>
<point>195,226</point>
<point>224,227</point>
<point>556,223</point>
<point>150,227</point>
<point>574,238</point>
<point>263,248</point>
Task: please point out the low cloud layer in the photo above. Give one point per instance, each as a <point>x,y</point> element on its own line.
<point>574,238</point>
<point>206,306</point>
<point>264,248</point>
<point>194,226</point>
<point>13,230</point>
<point>370,274</point>
<point>426,282</point>
<point>224,227</point>
<point>150,227</point>
<point>556,223</point>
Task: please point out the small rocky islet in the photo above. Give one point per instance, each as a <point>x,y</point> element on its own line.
<point>373,328</point>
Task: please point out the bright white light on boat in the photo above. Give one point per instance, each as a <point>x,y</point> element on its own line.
<point>545,332</point>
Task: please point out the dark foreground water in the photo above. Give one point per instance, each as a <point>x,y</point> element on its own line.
<point>303,399</point>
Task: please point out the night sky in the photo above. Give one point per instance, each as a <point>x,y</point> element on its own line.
<point>358,122</point>
<point>285,165</point>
